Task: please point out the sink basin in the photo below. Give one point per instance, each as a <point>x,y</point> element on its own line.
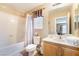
<point>72,40</point>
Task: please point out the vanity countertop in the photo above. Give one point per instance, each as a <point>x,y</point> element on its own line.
<point>55,40</point>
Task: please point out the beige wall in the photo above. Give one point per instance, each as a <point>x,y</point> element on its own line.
<point>11,10</point>
<point>11,26</point>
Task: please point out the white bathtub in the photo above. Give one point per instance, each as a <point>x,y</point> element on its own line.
<point>12,50</point>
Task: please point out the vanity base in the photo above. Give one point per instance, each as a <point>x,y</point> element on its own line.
<point>54,49</point>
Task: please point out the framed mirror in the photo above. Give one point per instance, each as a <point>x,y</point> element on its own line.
<point>76,22</point>
<point>61,25</point>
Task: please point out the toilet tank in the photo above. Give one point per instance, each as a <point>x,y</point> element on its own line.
<point>37,40</point>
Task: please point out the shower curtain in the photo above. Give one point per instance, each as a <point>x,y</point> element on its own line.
<point>28,30</point>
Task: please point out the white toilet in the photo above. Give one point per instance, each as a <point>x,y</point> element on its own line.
<point>31,48</point>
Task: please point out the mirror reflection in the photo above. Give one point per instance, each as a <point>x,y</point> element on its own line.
<point>61,25</point>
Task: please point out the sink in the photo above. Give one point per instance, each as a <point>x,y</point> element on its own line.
<point>72,40</point>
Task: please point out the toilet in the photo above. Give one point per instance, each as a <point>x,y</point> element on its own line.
<point>31,48</point>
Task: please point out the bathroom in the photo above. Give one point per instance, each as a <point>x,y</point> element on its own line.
<point>42,29</point>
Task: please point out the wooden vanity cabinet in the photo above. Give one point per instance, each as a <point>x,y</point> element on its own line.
<point>70,52</point>
<point>50,49</point>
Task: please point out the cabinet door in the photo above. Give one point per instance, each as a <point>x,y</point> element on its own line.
<point>50,49</point>
<point>70,52</point>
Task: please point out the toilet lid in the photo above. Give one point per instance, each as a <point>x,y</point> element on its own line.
<point>31,47</point>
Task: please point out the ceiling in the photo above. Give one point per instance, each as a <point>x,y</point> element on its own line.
<point>23,7</point>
